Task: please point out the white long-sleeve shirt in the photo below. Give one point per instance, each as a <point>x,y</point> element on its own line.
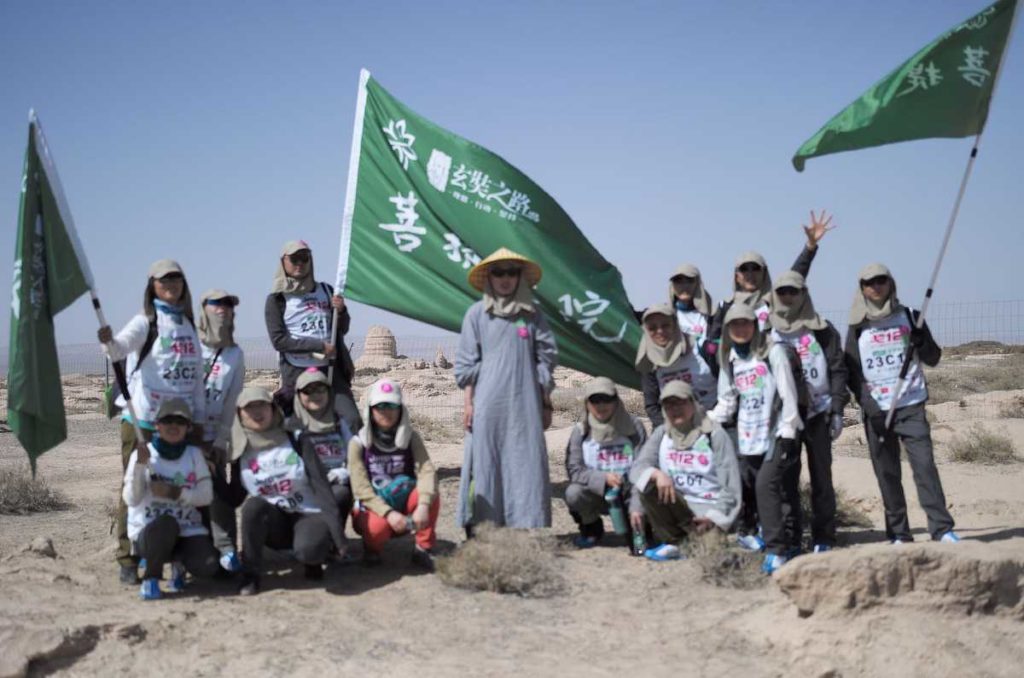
<point>189,472</point>
<point>173,368</point>
<point>778,381</point>
<point>224,383</point>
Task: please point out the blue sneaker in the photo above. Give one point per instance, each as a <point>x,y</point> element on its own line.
<point>821,548</point>
<point>584,542</point>
<point>230,562</point>
<point>794,552</point>
<point>772,562</point>
<point>663,552</point>
<point>751,542</point>
<point>950,537</point>
<point>177,584</point>
<point>142,565</point>
<point>150,589</point>
<point>897,541</point>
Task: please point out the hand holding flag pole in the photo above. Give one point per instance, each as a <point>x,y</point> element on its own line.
<point>122,380</point>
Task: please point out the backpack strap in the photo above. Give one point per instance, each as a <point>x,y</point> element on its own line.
<point>206,377</point>
<point>147,346</point>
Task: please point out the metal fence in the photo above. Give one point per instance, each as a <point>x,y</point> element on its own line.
<point>85,369</point>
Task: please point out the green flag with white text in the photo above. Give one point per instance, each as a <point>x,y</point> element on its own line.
<point>49,274</point>
<point>943,90</point>
<point>424,205</point>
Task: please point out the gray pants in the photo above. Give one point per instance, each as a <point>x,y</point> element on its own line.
<point>817,440</point>
<point>159,543</point>
<point>778,497</point>
<point>264,524</point>
<point>584,503</point>
<point>670,523</point>
<point>911,428</point>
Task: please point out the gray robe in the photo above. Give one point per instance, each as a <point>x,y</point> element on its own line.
<point>505,476</point>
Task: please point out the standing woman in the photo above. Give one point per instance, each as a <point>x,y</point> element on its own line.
<point>163,362</point>
<point>881,331</point>
<point>666,354</point>
<point>298,314</point>
<point>818,345</point>
<point>224,375</point>
<point>757,386</point>
<point>504,365</point>
<point>288,502</point>
<point>694,311</point>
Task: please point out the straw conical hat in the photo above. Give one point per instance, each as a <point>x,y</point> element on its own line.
<point>478,274</point>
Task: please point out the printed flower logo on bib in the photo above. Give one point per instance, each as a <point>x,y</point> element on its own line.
<point>521,328</point>
<point>254,465</point>
<point>292,459</point>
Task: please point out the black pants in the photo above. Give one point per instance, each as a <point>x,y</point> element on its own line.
<point>817,440</point>
<point>749,464</point>
<point>778,497</point>
<point>264,524</point>
<point>344,499</point>
<point>159,543</point>
<point>911,428</point>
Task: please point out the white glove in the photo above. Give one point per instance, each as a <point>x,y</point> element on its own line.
<point>836,426</point>
<point>337,475</point>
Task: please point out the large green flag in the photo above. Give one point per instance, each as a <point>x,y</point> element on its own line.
<point>50,272</point>
<point>424,205</point>
<point>942,91</point>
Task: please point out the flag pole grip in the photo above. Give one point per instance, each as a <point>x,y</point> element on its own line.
<point>119,374</point>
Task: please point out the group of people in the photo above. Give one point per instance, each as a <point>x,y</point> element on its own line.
<point>732,394</point>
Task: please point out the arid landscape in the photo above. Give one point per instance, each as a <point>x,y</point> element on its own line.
<point>866,609</point>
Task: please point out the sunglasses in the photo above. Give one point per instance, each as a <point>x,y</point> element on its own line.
<point>787,291</point>
<point>384,407</point>
<point>173,420</point>
<point>171,277</point>
<point>220,302</point>
<point>683,280</point>
<point>314,389</point>
<point>601,399</point>
<point>749,268</point>
<point>299,257</point>
<point>877,281</point>
<point>505,272</point>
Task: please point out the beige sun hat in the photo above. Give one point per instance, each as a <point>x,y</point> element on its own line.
<point>478,274</point>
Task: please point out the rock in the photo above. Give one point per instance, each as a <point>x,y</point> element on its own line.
<point>966,579</point>
<point>43,649</point>
<point>440,360</point>
<point>41,546</point>
<point>420,365</point>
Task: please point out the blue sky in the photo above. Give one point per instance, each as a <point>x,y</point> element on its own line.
<point>214,132</point>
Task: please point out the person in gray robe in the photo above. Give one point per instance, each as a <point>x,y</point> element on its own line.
<point>504,365</point>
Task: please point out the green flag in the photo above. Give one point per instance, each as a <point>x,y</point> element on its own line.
<point>50,272</point>
<point>424,205</point>
<point>942,91</point>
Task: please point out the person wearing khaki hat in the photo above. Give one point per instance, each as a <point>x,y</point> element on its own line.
<point>165,485</point>
<point>752,283</point>
<point>223,376</point>
<point>819,347</point>
<point>284,493</point>
<point>318,427</point>
<point>880,334</point>
<point>600,452</point>
<point>393,478</point>
<point>759,387</point>
<point>686,475</point>
<point>299,314</point>
<point>504,364</point>
<point>694,310</point>
<point>667,354</point>
<point>160,352</point>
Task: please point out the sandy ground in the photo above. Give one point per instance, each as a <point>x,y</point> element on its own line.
<point>620,614</point>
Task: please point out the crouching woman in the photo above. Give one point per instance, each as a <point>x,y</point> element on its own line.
<point>687,476</point>
<point>164,485</point>
<point>287,498</point>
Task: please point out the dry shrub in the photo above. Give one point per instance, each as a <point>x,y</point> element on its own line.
<point>505,560</point>
<point>848,512</point>
<point>981,446</point>
<point>723,564</point>
<point>1014,409</point>
<point>947,382</point>
<point>21,494</point>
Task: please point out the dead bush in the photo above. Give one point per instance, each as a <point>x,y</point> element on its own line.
<point>978,445</point>
<point>21,494</point>
<point>505,560</point>
<point>1014,409</point>
<point>848,512</point>
<point>723,564</point>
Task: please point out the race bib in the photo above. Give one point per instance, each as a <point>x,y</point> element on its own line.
<point>692,471</point>
<point>883,346</point>
<point>611,457</point>
<point>755,387</point>
<point>278,475</point>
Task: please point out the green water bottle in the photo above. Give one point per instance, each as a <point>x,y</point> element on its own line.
<point>615,511</point>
